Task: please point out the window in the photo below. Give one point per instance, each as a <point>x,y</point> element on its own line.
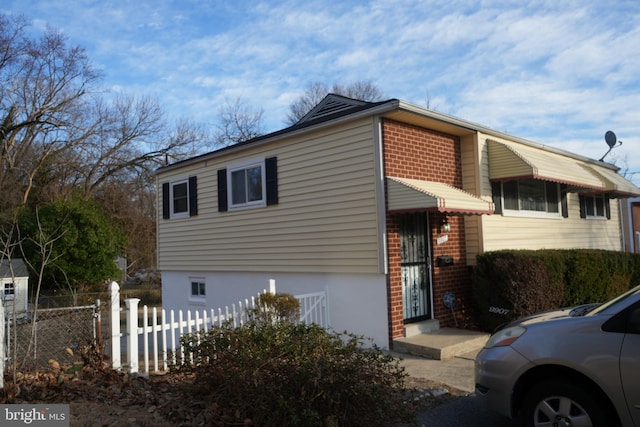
<point>594,207</point>
<point>179,198</point>
<point>8,291</point>
<point>528,196</point>
<point>198,288</point>
<point>248,185</point>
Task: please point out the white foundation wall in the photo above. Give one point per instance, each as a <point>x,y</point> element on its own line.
<point>356,303</point>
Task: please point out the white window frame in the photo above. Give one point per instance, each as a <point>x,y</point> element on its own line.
<point>524,213</point>
<point>592,198</point>
<point>198,298</point>
<point>173,212</point>
<point>262,202</point>
<point>11,295</point>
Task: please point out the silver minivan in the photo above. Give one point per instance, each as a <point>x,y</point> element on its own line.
<point>572,367</point>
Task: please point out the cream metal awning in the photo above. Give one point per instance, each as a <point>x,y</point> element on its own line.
<point>614,183</point>
<point>519,161</point>
<point>411,194</point>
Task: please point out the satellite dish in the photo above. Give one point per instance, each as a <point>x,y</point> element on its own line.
<point>612,141</point>
<point>611,138</point>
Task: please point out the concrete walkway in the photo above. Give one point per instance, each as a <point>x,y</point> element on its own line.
<point>456,372</point>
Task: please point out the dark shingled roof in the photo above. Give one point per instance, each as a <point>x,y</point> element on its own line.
<point>331,107</point>
<point>19,268</point>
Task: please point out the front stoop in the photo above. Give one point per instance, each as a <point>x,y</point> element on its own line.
<point>441,344</point>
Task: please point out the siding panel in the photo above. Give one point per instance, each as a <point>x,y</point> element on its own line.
<point>504,232</point>
<point>566,233</point>
<point>325,220</point>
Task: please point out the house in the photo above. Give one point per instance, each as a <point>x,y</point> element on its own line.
<point>14,287</point>
<point>630,209</point>
<point>383,205</point>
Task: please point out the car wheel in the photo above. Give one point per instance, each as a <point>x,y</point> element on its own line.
<point>555,403</point>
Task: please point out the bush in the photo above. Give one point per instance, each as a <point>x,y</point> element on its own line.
<point>276,308</point>
<point>508,285</point>
<point>283,373</point>
<point>596,276</point>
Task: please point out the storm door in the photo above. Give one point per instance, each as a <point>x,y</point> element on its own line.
<point>415,266</point>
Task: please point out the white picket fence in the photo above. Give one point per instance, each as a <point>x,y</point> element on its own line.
<point>152,338</point>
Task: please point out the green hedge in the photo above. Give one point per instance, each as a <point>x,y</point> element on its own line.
<point>510,284</point>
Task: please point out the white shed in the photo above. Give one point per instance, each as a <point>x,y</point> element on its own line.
<point>14,286</point>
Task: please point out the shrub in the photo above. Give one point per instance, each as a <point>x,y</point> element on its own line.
<point>275,308</point>
<point>284,373</point>
<point>597,275</point>
<point>510,285</point>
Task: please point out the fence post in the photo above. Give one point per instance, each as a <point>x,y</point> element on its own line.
<point>114,290</point>
<point>132,333</point>
<point>97,330</point>
<point>272,286</point>
<point>2,348</point>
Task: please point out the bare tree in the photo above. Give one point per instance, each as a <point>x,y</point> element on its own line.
<point>315,92</point>
<point>60,133</point>
<point>131,204</point>
<point>54,120</point>
<point>44,85</point>
<point>45,243</point>
<point>130,136</point>
<point>237,122</point>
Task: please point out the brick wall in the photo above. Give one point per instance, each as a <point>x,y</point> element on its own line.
<point>418,153</point>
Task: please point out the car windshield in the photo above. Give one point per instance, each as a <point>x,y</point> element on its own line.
<point>619,299</point>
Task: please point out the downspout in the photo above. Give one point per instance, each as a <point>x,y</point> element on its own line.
<point>626,225</point>
<point>381,202</point>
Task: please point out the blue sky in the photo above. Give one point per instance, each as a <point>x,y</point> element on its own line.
<point>559,73</point>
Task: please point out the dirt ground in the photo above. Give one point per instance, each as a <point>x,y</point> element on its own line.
<point>103,397</point>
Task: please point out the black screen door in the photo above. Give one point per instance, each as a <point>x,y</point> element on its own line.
<point>415,266</point>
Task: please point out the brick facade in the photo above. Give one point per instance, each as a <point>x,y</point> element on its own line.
<point>418,153</point>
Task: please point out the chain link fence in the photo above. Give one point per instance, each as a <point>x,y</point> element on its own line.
<point>59,331</point>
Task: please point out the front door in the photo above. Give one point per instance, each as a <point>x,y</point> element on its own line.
<point>415,265</point>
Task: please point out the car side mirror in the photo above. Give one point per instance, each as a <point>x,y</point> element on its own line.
<point>633,326</point>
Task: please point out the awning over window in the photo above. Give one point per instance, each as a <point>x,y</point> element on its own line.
<point>411,194</point>
<point>518,161</point>
<point>614,183</point>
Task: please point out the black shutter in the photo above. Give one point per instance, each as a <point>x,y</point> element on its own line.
<point>496,194</point>
<point>563,200</point>
<point>607,207</point>
<point>583,207</point>
<point>166,203</point>
<point>222,191</point>
<point>271,173</point>
<point>193,196</point>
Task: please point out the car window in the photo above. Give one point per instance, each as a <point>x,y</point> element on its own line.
<point>621,299</point>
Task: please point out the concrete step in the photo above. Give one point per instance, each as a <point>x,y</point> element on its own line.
<point>441,344</point>
<point>418,328</point>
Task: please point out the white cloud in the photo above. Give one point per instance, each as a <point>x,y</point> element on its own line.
<point>553,72</point>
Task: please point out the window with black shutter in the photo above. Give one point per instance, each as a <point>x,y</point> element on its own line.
<point>248,185</point>
<point>180,198</point>
<point>595,206</point>
<point>529,197</point>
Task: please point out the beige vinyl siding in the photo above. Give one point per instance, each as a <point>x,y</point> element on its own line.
<point>325,219</point>
<point>502,232</point>
<point>517,232</point>
<point>471,181</point>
